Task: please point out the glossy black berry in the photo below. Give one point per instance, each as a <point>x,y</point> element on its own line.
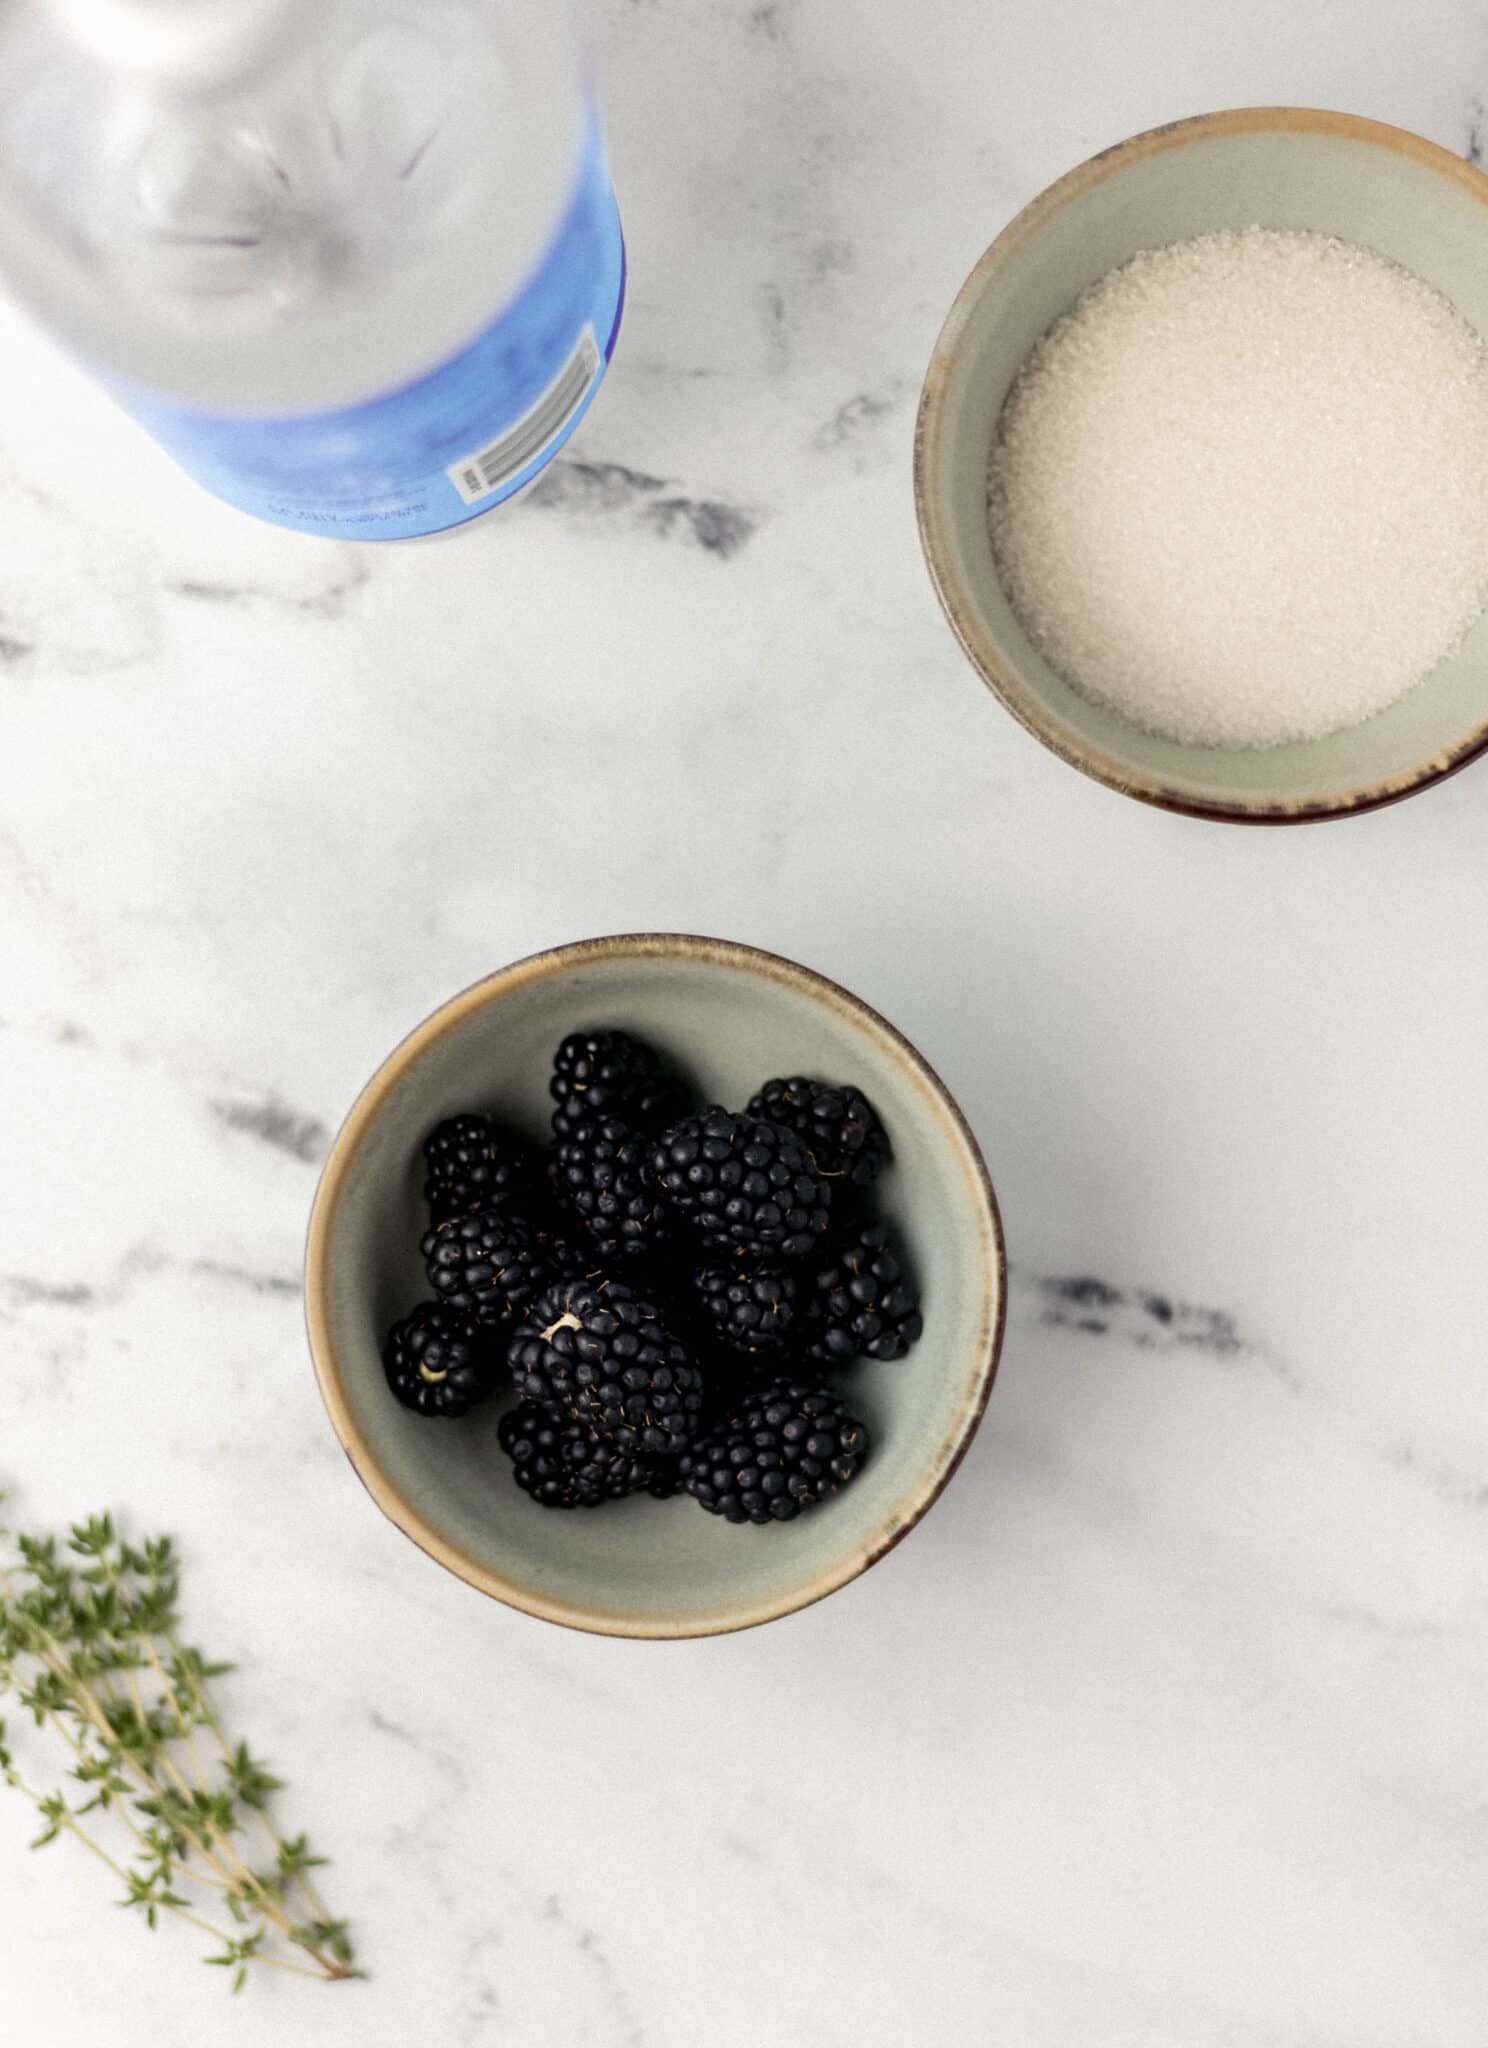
<point>609,1073</point>
<point>862,1304</point>
<point>750,1309</point>
<point>784,1450</point>
<point>600,1354</point>
<point>470,1163</point>
<point>439,1361</point>
<point>600,1174</point>
<point>663,1477</point>
<point>563,1252</point>
<point>744,1186</point>
<point>564,1464</point>
<point>487,1264</point>
<point>839,1126</point>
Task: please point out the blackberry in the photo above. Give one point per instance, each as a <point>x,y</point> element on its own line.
<point>561,1254</point>
<point>663,1477</point>
<point>563,1464</point>
<point>751,1309</point>
<point>488,1264</point>
<point>609,1073</point>
<point>838,1126</point>
<point>470,1163</point>
<point>862,1305</point>
<point>785,1449</point>
<point>599,1354</point>
<point>438,1360</point>
<point>599,1172</point>
<point>745,1186</point>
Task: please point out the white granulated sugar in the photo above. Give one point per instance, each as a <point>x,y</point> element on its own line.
<point>1241,492</point>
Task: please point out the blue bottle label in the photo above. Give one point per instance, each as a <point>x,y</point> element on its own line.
<point>447,447</point>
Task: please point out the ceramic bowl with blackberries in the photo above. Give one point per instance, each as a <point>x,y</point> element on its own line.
<point>655,1285</point>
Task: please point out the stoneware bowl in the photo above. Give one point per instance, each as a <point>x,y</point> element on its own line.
<point>1279,167</point>
<point>730,1018</point>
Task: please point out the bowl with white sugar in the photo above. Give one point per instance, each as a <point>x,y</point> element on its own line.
<point>1201,465</point>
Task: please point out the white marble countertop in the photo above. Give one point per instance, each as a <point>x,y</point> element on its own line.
<point>1166,1729</point>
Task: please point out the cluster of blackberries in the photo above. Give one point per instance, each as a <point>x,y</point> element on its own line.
<point>663,1289</point>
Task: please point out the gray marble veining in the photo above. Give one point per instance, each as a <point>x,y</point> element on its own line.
<point>1164,1730</point>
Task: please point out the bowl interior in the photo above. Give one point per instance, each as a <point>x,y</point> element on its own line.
<point>1279,168</point>
<point>730,1019</point>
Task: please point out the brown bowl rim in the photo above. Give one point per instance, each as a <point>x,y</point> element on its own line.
<point>557,960</point>
<point>957,603</point>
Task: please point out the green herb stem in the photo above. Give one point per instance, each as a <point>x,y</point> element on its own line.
<point>88,1706</point>
<point>209,1714</point>
<point>82,1631</point>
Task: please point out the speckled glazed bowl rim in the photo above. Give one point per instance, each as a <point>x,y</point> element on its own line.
<point>729,956</point>
<point>959,602</point>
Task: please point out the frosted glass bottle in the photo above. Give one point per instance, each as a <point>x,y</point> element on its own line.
<point>356,264</point>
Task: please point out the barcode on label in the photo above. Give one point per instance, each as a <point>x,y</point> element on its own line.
<point>476,476</point>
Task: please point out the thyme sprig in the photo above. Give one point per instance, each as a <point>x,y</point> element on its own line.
<point>91,1650</point>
